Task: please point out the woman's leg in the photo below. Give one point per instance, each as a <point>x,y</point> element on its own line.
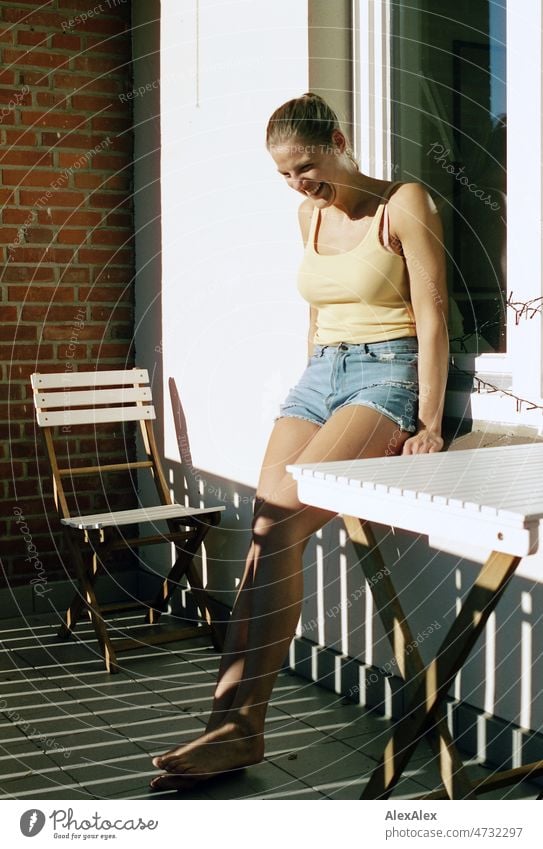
<point>274,589</point>
<point>288,439</point>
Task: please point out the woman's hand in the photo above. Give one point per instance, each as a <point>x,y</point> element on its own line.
<point>423,442</point>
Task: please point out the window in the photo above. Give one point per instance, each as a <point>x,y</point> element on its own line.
<point>439,90</point>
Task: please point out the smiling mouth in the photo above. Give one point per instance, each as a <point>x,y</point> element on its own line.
<point>316,191</point>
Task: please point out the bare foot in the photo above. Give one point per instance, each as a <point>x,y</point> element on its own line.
<point>227,748</point>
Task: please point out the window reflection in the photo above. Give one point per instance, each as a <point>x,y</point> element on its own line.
<point>449,131</point>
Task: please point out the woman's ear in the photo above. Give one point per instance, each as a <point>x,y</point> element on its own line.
<point>339,140</point>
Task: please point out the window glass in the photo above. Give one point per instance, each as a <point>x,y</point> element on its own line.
<point>449,132</point>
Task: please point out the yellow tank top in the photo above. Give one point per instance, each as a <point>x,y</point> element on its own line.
<point>361,295</point>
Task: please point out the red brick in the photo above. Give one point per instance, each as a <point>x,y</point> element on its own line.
<point>22,177</point>
<point>112,200</point>
<point>35,17</point>
<point>35,58</point>
<point>71,237</point>
<point>61,120</point>
<point>13,97</point>
<point>118,219</point>
<point>17,333</point>
<point>40,235</point>
<point>8,313</point>
<point>75,274</point>
<point>64,332</point>
<point>22,274</point>
<point>83,84</point>
<point>32,37</point>
<point>7,196</point>
<point>108,45</point>
<point>109,294</point>
<point>17,216</point>
<point>76,218</point>
<point>21,138</point>
<point>101,65</point>
<point>7,36</point>
<point>40,294</point>
<point>68,140</point>
<point>95,256</point>
<point>34,78</point>
<point>119,238</point>
<point>56,198</point>
<point>9,235</point>
<point>64,41</point>
<point>7,76</point>
<point>39,255</point>
<point>111,275</point>
<point>105,123</point>
<point>112,351</point>
<point>109,162</point>
<point>26,157</point>
<point>25,352</point>
<point>94,103</point>
<point>117,313</point>
<point>74,6</point>
<point>50,99</point>
<point>41,312</point>
<point>114,182</point>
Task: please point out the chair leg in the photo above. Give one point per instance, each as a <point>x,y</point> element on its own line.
<point>79,601</point>
<point>87,597</point>
<point>184,566</point>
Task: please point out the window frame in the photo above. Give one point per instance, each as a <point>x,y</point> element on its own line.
<point>517,375</point>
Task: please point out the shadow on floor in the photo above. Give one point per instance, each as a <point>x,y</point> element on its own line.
<point>68,730</point>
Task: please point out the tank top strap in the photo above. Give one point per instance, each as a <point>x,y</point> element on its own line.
<point>382,215</point>
<point>312,228</point>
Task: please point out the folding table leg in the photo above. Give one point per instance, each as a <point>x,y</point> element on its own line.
<point>406,653</point>
<point>404,646</point>
<point>439,675</point>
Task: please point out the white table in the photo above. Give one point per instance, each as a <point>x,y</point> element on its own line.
<point>493,496</point>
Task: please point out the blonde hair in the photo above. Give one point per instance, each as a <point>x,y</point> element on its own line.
<point>308,118</point>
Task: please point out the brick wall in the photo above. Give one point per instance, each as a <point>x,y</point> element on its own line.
<point>66,238</point>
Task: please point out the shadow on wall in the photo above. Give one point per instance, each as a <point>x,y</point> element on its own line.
<point>502,673</point>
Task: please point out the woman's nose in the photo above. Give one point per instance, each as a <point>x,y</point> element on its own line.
<point>299,185</point>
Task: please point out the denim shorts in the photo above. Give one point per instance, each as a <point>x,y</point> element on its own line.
<point>381,375</point>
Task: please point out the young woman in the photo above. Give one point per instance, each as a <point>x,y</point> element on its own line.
<point>373,273</point>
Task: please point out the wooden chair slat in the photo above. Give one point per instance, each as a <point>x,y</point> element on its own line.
<point>66,380</point>
<point>97,415</point>
<point>88,397</point>
<point>142,514</point>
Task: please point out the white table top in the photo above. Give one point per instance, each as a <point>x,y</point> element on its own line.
<point>490,497</point>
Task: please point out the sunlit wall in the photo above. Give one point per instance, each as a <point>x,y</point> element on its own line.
<point>233,325</point>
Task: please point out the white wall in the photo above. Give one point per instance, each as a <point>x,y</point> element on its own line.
<point>233,325</point>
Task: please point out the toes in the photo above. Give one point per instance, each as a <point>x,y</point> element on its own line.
<point>171,782</point>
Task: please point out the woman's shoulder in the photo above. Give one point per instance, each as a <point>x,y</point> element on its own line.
<point>405,193</point>
<point>410,202</point>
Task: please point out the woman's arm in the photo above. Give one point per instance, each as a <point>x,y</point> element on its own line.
<point>415,220</point>
<point>305,212</point>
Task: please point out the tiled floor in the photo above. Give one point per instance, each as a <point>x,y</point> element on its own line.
<point>68,730</point>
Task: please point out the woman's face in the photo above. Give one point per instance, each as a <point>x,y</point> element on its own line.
<point>312,169</point>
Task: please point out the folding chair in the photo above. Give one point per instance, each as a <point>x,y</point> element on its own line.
<point>94,402</point>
